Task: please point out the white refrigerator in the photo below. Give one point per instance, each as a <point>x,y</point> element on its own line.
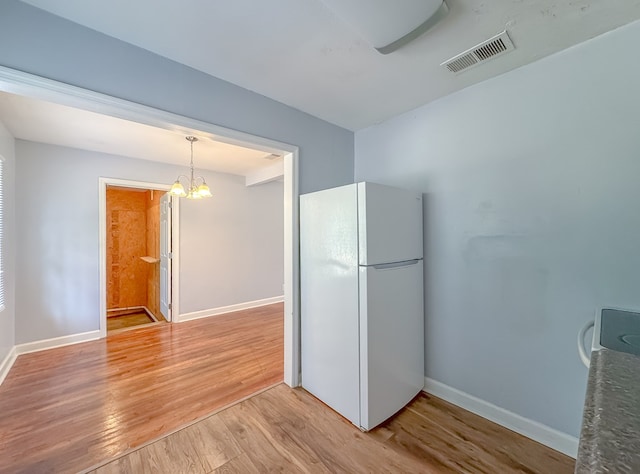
<point>362,316</point>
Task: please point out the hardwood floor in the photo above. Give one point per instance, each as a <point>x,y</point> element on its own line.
<point>67,409</point>
<point>78,407</point>
<point>288,430</point>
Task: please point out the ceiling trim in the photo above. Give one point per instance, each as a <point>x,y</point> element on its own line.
<point>22,83</point>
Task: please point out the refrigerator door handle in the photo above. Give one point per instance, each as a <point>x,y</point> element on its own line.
<point>387,266</point>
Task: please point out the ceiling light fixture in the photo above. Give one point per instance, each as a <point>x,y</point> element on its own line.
<point>388,24</point>
<point>196,191</point>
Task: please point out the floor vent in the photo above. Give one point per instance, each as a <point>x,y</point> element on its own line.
<point>493,47</point>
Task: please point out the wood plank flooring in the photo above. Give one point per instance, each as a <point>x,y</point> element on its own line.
<point>67,409</point>
<point>288,430</point>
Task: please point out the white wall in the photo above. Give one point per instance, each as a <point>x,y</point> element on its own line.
<point>57,287</point>
<point>532,220</point>
<point>232,251</point>
<point>40,43</point>
<point>7,316</point>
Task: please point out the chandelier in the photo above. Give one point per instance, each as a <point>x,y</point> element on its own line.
<point>195,190</point>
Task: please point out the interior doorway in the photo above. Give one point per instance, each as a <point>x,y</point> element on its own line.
<point>136,254</point>
<point>18,82</point>
<point>133,252</point>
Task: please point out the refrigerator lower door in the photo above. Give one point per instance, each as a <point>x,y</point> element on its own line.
<point>391,339</point>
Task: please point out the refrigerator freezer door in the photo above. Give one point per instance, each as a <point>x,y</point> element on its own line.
<point>329,298</point>
<point>391,339</point>
<point>389,224</point>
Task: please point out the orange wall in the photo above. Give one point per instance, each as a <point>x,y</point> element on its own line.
<point>133,231</point>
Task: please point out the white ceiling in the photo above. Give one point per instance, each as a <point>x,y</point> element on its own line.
<point>300,53</point>
<point>46,122</point>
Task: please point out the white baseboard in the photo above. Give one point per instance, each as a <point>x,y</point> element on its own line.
<point>56,342</point>
<point>205,313</point>
<point>7,363</point>
<point>531,429</point>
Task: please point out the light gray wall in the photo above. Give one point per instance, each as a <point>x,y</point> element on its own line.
<point>40,43</point>
<point>7,317</point>
<point>232,248</point>
<point>231,245</point>
<point>531,220</point>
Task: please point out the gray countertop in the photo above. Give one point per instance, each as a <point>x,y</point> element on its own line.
<point>610,436</point>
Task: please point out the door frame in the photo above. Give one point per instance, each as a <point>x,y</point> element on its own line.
<point>30,85</point>
<point>103,183</point>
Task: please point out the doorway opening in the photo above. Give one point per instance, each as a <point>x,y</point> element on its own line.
<point>136,247</point>
<point>133,252</point>
<point>28,85</point>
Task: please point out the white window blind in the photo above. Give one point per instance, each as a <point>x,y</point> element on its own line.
<point>1,237</point>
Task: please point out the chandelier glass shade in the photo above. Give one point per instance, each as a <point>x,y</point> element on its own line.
<point>196,186</point>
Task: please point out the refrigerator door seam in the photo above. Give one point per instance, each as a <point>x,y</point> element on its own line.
<point>384,266</point>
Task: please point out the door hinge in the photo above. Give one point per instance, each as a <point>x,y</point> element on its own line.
<point>170,255</point>
<point>170,305</point>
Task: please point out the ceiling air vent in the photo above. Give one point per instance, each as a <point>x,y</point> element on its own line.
<point>493,47</point>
